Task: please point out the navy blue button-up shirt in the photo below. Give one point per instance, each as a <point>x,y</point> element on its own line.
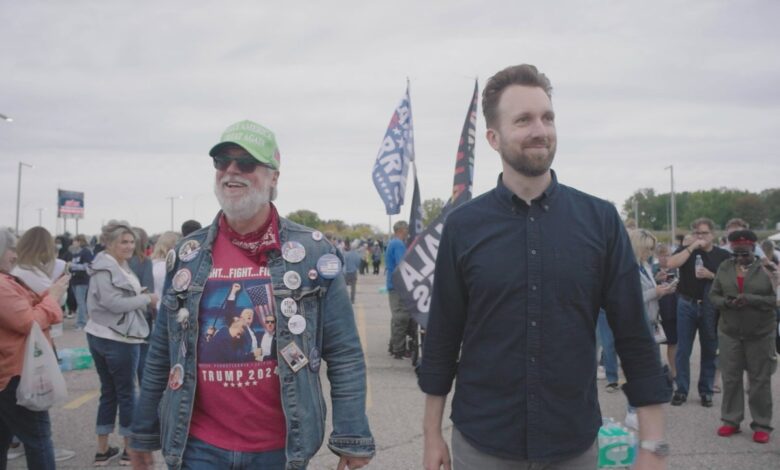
<point>516,295</point>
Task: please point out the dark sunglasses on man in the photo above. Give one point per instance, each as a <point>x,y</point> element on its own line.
<point>245,164</point>
<point>741,255</point>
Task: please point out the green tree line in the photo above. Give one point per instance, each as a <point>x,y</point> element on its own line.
<point>340,229</point>
<point>760,210</point>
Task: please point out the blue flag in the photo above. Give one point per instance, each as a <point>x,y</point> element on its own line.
<point>395,155</point>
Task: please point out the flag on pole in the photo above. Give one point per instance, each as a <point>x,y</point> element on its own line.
<point>464,161</point>
<point>413,278</point>
<point>416,215</point>
<point>395,155</point>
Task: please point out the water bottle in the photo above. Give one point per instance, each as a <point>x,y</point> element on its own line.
<point>699,264</point>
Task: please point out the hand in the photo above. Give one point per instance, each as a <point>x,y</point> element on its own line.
<point>141,460</point>
<point>661,275</point>
<point>704,273</point>
<point>740,301</point>
<point>697,244</point>
<point>153,299</point>
<point>60,286</point>
<point>258,352</point>
<point>347,462</point>
<point>646,460</point>
<point>436,453</point>
<point>664,289</point>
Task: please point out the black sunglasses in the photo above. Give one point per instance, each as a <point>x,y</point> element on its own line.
<point>741,255</point>
<point>245,165</point>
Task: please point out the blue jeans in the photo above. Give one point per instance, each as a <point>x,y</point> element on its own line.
<point>80,291</point>
<point>199,455</point>
<point>607,341</point>
<point>116,365</point>
<point>33,428</point>
<point>692,317</point>
<point>142,350</point>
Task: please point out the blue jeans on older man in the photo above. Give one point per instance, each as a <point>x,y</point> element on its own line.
<point>693,316</point>
<point>199,455</point>
<point>33,428</point>
<point>116,364</point>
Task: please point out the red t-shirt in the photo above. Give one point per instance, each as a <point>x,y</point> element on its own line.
<point>238,402</point>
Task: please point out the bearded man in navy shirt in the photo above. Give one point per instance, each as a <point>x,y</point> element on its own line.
<point>521,274</point>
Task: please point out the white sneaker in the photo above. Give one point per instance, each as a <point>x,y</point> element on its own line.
<point>631,421</point>
<point>601,373</point>
<point>60,455</point>
<point>15,453</point>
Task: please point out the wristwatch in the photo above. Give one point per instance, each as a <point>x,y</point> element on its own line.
<point>659,448</point>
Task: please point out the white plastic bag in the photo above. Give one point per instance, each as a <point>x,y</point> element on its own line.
<point>42,384</point>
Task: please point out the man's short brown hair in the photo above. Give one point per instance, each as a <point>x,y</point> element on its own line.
<point>737,222</point>
<point>524,74</point>
<point>703,221</point>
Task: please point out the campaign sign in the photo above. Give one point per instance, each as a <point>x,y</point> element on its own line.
<point>70,204</point>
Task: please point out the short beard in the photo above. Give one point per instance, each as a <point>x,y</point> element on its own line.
<point>246,207</point>
<point>528,166</point>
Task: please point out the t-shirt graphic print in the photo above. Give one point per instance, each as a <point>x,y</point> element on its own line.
<point>237,403</point>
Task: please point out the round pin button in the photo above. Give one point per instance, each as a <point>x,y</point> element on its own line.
<point>292,280</point>
<point>181,280</point>
<point>289,307</point>
<point>170,260</point>
<point>329,266</point>
<point>315,359</point>
<point>293,252</point>
<point>313,274</point>
<point>176,377</point>
<point>189,250</point>
<point>316,235</point>
<point>296,324</point>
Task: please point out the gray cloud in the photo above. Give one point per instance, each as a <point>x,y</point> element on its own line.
<point>123,100</point>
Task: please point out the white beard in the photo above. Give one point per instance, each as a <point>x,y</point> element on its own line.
<point>246,207</point>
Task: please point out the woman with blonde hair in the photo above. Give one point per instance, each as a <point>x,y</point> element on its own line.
<point>643,243</point>
<point>116,327</point>
<point>37,264</point>
<point>165,243</point>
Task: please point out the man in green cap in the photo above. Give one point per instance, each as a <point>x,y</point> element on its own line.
<point>263,399</point>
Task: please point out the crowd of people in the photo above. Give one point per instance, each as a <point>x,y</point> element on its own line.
<point>224,327</point>
<point>727,294</point>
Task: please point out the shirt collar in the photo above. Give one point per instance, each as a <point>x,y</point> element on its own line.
<point>511,201</point>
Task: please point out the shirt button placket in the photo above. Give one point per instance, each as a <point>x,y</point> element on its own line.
<point>533,333</point>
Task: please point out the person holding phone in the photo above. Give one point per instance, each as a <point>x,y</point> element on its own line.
<point>744,293</point>
<point>667,305</point>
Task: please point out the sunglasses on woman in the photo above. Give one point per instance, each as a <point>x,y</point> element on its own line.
<point>245,164</point>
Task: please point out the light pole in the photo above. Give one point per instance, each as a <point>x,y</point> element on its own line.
<point>19,192</point>
<point>673,204</point>
<point>173,198</point>
<point>40,218</point>
<point>636,211</point>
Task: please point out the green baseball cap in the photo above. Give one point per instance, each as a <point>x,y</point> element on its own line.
<point>252,137</point>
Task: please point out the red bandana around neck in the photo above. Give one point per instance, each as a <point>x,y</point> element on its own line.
<point>257,244</point>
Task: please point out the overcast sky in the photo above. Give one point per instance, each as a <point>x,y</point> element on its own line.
<point>123,100</point>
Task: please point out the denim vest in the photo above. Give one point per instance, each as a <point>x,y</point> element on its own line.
<point>162,415</point>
